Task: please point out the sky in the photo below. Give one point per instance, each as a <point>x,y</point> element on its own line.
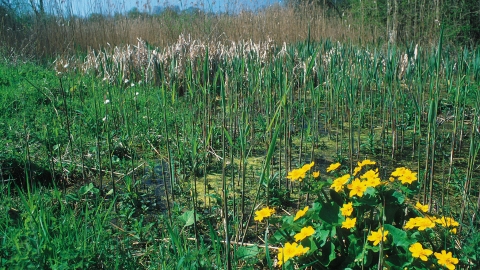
<point>85,7</point>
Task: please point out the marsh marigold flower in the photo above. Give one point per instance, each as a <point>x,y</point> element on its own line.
<point>446,259</point>
<point>357,170</point>
<point>347,209</point>
<point>447,222</point>
<point>408,177</point>
<point>421,207</point>
<point>296,174</point>
<point>308,166</point>
<point>399,172</point>
<point>333,166</point>
<point>340,182</point>
<point>366,162</point>
<point>301,213</point>
<point>376,237</point>
<point>304,233</point>
<point>423,223</point>
<point>349,223</point>
<point>289,251</point>
<point>411,223</point>
<point>263,213</point>
<point>418,251</point>
<point>315,174</point>
<point>371,177</point>
<point>357,187</point>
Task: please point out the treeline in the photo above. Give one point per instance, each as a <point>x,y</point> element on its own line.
<point>46,28</point>
<point>408,20</point>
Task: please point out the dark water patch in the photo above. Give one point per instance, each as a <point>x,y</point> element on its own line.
<point>154,179</point>
<point>21,173</point>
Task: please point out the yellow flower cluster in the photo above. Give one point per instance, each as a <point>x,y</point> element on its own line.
<point>263,213</point>
<point>299,174</point>
<point>448,222</point>
<point>294,249</point>
<point>371,177</point>
<point>429,222</point>
<point>421,222</point>
<point>362,164</point>
<point>289,251</point>
<point>359,185</point>
<point>444,258</point>
<point>346,211</point>
<point>406,176</point>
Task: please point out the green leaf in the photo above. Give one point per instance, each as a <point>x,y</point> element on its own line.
<point>245,252</point>
<point>336,197</point>
<point>329,213</point>
<point>321,237</point>
<point>400,237</point>
<point>87,188</point>
<point>187,218</point>
<point>229,138</point>
<point>355,249</point>
<point>394,197</point>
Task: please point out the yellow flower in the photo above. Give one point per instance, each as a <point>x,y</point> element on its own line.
<point>296,174</point>
<point>289,251</point>
<point>372,182</point>
<point>424,223</point>
<point>446,259</point>
<point>447,222</point>
<point>349,223</point>
<point>333,167</point>
<point>315,174</point>
<point>419,252</point>
<point>399,172</point>
<point>371,174</point>
<point>367,162</point>
<point>263,213</point>
<point>347,209</point>
<point>421,207</point>
<point>377,236</point>
<point>302,250</point>
<point>304,233</point>
<point>307,167</point>
<point>411,223</point>
<point>357,188</point>
<point>340,182</point>
<point>301,213</point>
<point>357,170</point>
<point>408,177</point>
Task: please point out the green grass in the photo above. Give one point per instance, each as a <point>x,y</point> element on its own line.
<point>228,128</point>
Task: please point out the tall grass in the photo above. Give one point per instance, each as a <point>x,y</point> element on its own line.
<point>62,33</point>
<point>238,116</point>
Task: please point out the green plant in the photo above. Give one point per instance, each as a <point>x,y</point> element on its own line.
<point>365,222</point>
